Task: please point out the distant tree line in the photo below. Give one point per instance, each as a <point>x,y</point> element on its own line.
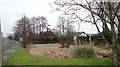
<point>36,30</point>
<point>33,30</point>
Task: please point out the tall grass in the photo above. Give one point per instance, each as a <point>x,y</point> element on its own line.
<point>83,51</point>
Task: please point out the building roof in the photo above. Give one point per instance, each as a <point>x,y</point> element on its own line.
<point>49,34</point>
<point>83,34</point>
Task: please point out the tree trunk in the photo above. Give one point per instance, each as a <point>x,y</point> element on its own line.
<point>116,51</point>
<point>116,55</point>
<point>24,42</point>
<point>118,44</point>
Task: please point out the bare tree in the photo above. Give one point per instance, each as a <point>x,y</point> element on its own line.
<point>69,28</point>
<point>105,12</point>
<point>43,23</point>
<point>61,27</point>
<point>39,24</point>
<point>65,29</point>
<point>23,29</point>
<point>31,30</point>
<point>33,22</point>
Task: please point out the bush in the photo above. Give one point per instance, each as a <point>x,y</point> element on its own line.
<point>83,51</point>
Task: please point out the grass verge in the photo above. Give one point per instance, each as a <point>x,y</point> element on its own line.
<point>22,57</point>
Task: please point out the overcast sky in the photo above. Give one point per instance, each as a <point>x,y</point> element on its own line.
<point>12,10</point>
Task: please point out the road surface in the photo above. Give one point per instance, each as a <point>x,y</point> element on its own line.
<point>9,47</point>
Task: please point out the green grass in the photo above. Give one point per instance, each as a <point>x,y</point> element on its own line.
<point>21,57</point>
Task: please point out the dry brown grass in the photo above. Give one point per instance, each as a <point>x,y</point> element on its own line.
<point>53,50</point>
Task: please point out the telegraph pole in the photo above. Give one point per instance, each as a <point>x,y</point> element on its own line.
<point>0,45</point>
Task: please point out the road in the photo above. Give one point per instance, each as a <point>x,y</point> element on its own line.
<point>9,47</point>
